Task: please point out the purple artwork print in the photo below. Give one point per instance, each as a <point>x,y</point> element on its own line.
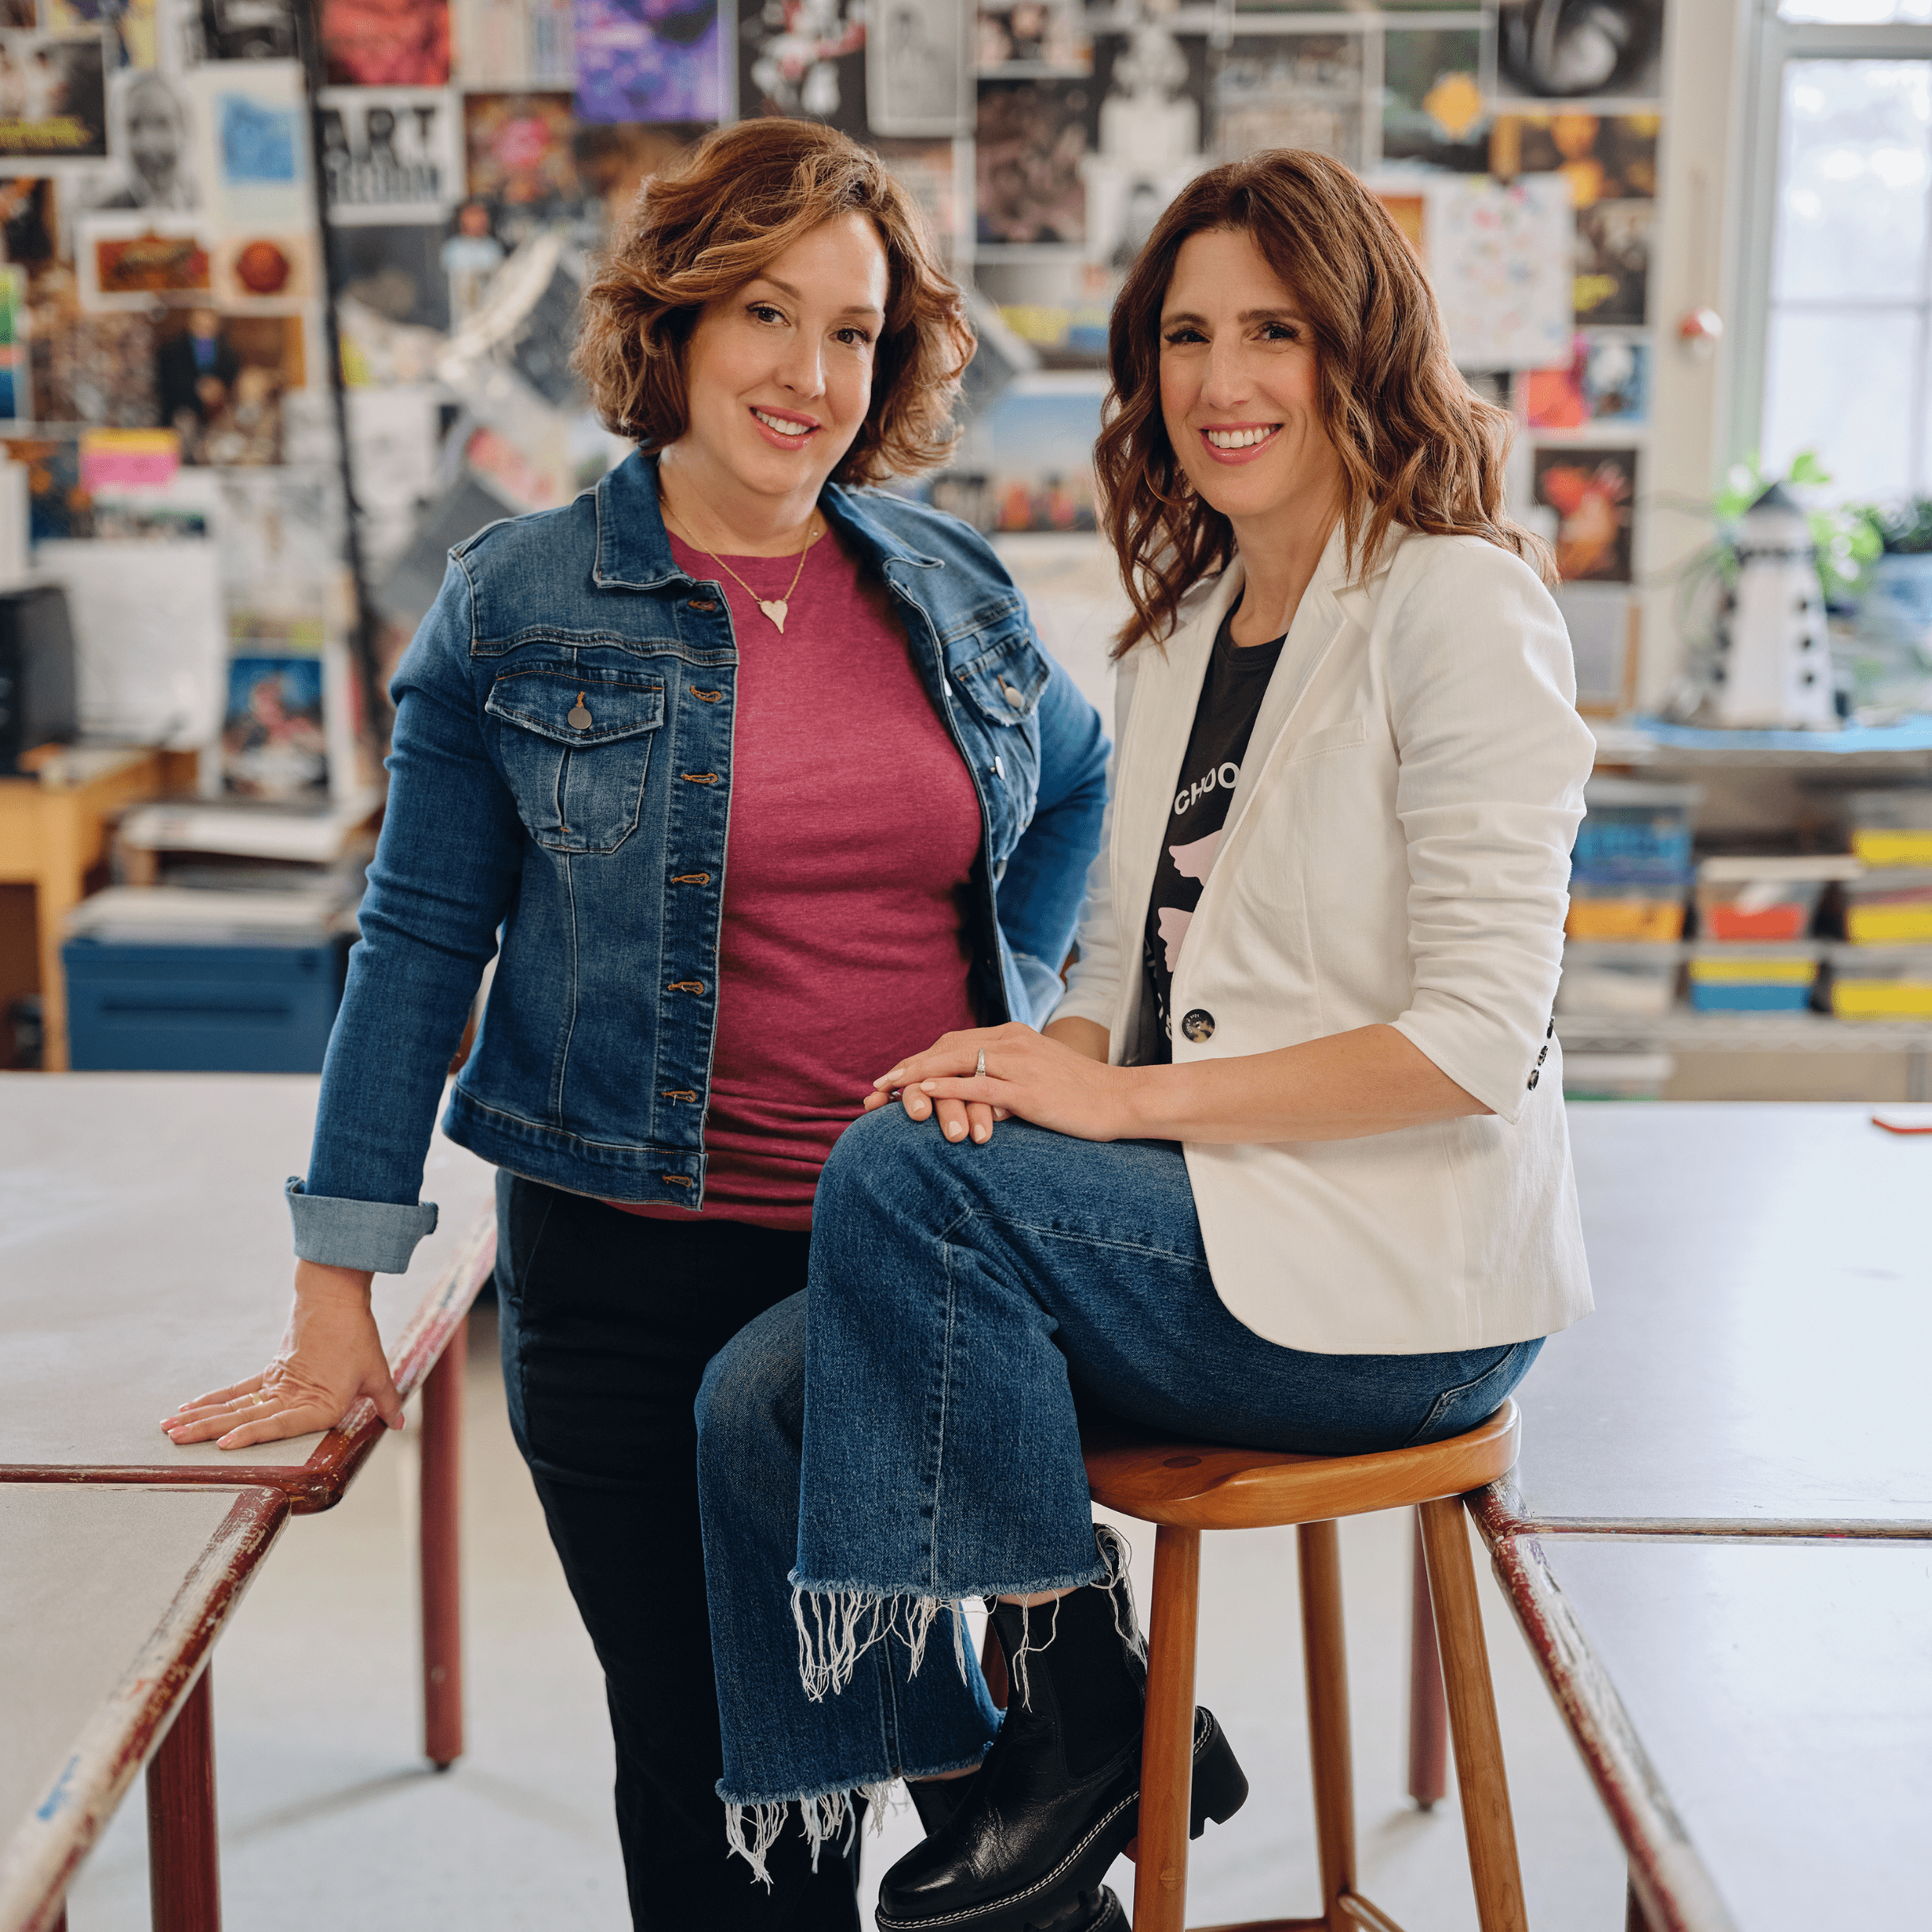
<point>648,60</point>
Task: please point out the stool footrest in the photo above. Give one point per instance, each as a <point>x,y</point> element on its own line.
<point>1352,1905</point>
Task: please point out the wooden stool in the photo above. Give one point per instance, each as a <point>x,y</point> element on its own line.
<point>1187,1487</point>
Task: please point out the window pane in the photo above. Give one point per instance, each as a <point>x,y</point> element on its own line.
<point>1851,179</point>
<point>1842,385</point>
<point>1857,13</point>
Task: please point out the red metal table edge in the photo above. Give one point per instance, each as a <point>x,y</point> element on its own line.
<point>1671,1889</point>
<point>319,1483</point>
<point>1501,1512</point>
<point>156,1715</point>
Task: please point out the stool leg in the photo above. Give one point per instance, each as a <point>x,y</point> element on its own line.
<point>1428,1717</point>
<point>184,1864</point>
<point>1325,1659</point>
<point>1167,1744</point>
<point>1472,1719</point>
<point>441,1555</point>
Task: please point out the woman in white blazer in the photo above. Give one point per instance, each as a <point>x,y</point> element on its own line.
<point>1287,1168</point>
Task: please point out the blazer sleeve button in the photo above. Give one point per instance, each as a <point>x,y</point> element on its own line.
<point>1198,1025</point>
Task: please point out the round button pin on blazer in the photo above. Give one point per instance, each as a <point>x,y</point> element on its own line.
<point>579,720</point>
<point>1198,1025</point>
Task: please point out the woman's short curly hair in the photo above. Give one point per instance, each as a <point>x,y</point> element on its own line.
<point>721,215</point>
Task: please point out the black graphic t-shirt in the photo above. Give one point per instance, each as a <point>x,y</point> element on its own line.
<point>1231,697</point>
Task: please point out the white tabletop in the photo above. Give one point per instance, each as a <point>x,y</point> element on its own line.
<point>1782,1695</point>
<point>1763,1278</point>
<point>108,1597</point>
<point>145,1255</point>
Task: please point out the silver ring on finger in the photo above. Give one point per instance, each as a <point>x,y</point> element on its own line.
<point>979,1066</point>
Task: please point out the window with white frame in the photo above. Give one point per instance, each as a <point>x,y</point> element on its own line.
<point>1836,345</point>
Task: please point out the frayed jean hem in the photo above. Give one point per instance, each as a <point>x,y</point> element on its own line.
<point>753,1825</point>
<point>826,1816</point>
<point>839,1623</point>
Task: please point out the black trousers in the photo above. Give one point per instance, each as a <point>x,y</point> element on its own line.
<point>608,1320</point>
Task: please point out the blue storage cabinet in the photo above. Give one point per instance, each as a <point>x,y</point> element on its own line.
<point>263,1007</point>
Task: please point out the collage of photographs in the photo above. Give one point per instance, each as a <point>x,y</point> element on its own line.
<point>171,282</point>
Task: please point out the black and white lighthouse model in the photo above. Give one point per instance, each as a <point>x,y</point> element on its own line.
<point>1777,656</point>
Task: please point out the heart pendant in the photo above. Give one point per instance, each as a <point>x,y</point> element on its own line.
<point>775,610</point>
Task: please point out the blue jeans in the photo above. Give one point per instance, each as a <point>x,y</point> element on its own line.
<point>904,1434</point>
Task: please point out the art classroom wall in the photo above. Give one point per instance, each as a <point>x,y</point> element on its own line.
<point>168,395</point>
<point>474,153</point>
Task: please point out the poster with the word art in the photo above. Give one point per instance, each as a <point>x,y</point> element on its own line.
<point>1501,260</point>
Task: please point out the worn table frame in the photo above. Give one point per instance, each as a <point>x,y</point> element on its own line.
<point>428,1356</point>
<point>158,1714</point>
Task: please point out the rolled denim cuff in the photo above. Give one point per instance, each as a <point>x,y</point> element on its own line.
<point>380,1235</point>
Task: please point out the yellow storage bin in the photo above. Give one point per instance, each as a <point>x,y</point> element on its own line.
<point>1872,985</point>
<point>1742,979</point>
<point>1708,969</point>
<point>1889,908</point>
<point>1882,999</point>
<point>1658,920</point>
<point>1878,847</point>
<point>1892,828</point>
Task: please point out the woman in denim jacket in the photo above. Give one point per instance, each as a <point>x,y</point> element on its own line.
<point>765,780</point>
<point>1287,1168</point>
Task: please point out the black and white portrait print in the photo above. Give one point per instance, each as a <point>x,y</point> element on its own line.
<point>151,135</point>
<point>917,73</point>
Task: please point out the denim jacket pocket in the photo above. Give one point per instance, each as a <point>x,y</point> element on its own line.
<point>575,748</point>
<point>1006,682</point>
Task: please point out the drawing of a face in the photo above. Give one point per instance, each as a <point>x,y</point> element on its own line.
<point>156,135</point>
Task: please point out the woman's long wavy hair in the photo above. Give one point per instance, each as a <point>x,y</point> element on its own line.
<point>1417,447</point>
<point>721,215</point>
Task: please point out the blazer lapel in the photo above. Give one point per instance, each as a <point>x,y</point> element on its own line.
<point>1333,614</point>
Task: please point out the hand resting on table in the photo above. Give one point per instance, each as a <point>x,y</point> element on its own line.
<point>331,1354</point>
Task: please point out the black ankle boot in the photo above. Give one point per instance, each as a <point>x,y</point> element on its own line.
<point>937,1799</point>
<point>1056,1801</point>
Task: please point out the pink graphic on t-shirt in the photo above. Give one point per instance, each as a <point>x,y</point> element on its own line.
<point>1173,925</point>
<point>1195,860</point>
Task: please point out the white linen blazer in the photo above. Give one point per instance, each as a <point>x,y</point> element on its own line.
<point>1397,850</point>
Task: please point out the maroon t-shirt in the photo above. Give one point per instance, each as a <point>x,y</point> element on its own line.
<point>854,830</point>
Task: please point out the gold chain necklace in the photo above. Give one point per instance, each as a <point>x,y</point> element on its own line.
<point>774,607</point>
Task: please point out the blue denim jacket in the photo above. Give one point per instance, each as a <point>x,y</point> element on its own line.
<point>599,851</point>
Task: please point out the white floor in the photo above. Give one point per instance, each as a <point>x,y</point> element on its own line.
<point>330,1817</point>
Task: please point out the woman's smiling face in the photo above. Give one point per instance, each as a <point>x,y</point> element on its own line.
<point>778,374</point>
<point>1237,389</point>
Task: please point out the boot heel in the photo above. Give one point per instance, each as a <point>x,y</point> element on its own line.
<point>1221,1787</point>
